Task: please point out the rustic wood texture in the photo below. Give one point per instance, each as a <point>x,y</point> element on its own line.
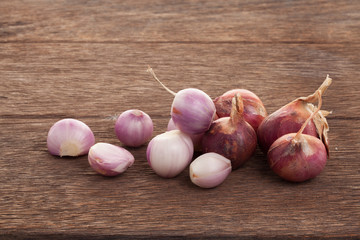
<point>88,60</point>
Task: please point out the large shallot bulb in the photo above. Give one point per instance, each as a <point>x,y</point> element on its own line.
<point>231,137</point>
<point>292,116</point>
<point>298,157</point>
<point>254,110</point>
<point>192,110</point>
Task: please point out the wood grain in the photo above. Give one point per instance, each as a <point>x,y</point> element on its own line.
<point>88,60</point>
<point>180,21</point>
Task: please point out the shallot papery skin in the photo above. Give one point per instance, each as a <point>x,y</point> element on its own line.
<point>297,160</point>
<point>290,118</point>
<point>192,111</point>
<point>287,119</point>
<point>231,137</point>
<point>209,170</point>
<point>169,153</point>
<point>109,160</point>
<point>70,137</point>
<point>134,128</point>
<point>254,110</point>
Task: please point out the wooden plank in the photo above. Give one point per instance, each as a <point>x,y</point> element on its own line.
<point>180,21</point>
<point>87,60</point>
<point>43,196</point>
<point>37,74</point>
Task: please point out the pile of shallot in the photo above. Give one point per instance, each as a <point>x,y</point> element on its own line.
<point>225,131</point>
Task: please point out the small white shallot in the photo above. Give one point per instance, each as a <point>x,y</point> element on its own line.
<point>170,153</point>
<point>109,160</point>
<point>69,137</point>
<point>209,170</point>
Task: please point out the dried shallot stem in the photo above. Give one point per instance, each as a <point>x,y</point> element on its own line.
<point>151,71</point>
<point>318,93</point>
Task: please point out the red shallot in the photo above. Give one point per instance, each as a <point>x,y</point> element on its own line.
<point>254,110</point>
<point>292,116</point>
<point>298,157</point>
<point>231,137</point>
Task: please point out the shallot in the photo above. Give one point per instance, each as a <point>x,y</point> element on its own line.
<point>292,116</point>
<point>169,153</point>
<point>70,137</point>
<point>231,137</point>
<point>298,157</point>
<point>192,110</point>
<point>254,110</point>
<point>209,170</point>
<point>109,160</point>
<point>134,127</point>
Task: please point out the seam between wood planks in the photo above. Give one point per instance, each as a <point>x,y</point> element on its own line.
<point>176,42</point>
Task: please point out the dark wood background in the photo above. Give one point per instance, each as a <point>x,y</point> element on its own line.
<point>88,59</point>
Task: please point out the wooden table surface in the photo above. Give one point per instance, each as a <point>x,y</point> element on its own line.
<point>88,59</point>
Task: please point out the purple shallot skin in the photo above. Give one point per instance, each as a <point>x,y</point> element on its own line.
<point>70,137</point>
<point>231,137</point>
<point>231,143</point>
<point>196,138</point>
<point>192,111</point>
<point>297,160</point>
<point>171,125</point>
<point>109,160</point>
<point>298,157</point>
<point>291,117</point>
<point>134,127</point>
<point>287,119</point>
<point>254,110</point>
